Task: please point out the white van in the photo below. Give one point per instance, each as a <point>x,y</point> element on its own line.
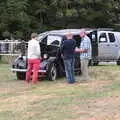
<point>108,46</point>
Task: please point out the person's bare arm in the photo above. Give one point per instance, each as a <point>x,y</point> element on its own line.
<point>78,50</point>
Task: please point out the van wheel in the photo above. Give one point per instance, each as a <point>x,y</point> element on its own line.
<point>93,62</point>
<point>20,75</point>
<point>118,61</point>
<point>52,72</point>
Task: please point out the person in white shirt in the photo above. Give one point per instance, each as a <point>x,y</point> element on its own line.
<point>33,56</point>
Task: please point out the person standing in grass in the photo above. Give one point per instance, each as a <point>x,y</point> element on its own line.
<point>85,54</point>
<point>33,55</point>
<point>68,52</point>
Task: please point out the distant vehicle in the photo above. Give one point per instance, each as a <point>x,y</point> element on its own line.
<point>108,46</point>
<point>52,63</point>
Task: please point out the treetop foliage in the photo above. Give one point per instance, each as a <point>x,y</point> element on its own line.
<point>18,18</point>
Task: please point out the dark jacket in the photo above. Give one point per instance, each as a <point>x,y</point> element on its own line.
<point>68,49</point>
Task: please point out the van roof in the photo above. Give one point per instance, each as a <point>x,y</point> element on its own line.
<point>110,31</point>
<point>65,31</point>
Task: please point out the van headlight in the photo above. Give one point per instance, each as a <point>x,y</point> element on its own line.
<point>45,56</point>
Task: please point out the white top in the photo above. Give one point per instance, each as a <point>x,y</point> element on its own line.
<point>33,49</point>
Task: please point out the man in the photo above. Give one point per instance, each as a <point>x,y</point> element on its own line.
<point>85,54</point>
<point>68,52</point>
<point>33,59</point>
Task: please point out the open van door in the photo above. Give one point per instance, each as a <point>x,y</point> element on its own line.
<point>94,42</point>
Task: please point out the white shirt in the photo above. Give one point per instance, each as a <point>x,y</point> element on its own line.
<point>33,49</point>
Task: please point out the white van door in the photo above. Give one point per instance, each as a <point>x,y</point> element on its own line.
<point>108,48</point>
<point>113,45</point>
<point>103,45</point>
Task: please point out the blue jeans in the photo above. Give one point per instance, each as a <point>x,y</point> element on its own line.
<point>69,70</point>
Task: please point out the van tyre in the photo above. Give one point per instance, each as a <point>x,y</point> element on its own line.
<point>118,61</point>
<point>52,72</point>
<point>20,75</point>
<point>93,62</point>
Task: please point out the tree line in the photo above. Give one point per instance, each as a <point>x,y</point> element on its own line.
<point>18,18</point>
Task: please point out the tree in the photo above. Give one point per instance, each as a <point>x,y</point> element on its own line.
<point>21,17</point>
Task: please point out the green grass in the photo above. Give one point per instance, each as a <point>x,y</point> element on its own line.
<point>97,99</point>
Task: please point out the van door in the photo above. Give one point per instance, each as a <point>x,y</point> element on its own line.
<point>107,46</point>
<point>113,46</point>
<point>94,42</point>
<point>103,46</point>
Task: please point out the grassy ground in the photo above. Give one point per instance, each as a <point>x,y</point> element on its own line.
<point>95,100</point>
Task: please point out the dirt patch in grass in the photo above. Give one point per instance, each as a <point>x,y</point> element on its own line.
<point>98,99</point>
<point>106,108</point>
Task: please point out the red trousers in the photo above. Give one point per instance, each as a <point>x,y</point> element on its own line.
<point>33,64</point>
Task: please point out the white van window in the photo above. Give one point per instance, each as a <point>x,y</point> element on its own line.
<point>111,37</point>
<point>54,40</point>
<point>103,38</point>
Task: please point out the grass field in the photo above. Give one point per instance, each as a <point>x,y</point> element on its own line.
<point>98,99</point>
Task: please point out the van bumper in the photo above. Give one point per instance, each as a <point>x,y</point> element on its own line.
<point>24,70</point>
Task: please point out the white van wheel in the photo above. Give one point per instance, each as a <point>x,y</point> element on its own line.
<point>118,61</point>
<point>93,62</point>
